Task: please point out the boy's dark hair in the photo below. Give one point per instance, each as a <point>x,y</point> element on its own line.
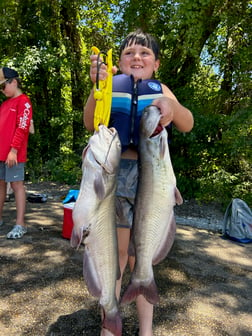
<point>144,39</point>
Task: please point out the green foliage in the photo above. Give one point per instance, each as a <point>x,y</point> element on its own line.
<point>64,168</point>
<point>214,161</point>
<point>206,61</point>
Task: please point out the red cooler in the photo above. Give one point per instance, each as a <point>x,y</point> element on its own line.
<point>68,220</point>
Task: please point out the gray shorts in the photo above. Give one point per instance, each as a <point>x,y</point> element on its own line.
<point>126,192</point>
<point>15,173</point>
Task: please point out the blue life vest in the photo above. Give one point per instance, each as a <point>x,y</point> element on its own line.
<point>129,98</point>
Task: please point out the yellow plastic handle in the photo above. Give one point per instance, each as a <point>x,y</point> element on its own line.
<point>103,91</point>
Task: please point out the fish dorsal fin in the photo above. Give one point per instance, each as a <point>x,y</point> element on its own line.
<point>85,152</point>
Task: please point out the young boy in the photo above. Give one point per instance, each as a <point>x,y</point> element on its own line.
<point>139,60</point>
<point>15,118</point>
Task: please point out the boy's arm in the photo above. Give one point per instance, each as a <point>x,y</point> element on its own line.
<point>89,108</point>
<point>88,113</point>
<point>173,111</point>
<point>24,116</point>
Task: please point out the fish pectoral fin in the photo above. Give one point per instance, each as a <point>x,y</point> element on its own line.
<point>90,275</point>
<point>99,187</point>
<point>178,197</point>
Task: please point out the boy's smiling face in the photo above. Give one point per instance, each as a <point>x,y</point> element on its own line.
<point>139,61</point>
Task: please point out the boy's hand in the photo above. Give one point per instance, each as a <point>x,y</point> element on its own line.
<point>102,69</point>
<point>11,158</point>
<point>166,106</point>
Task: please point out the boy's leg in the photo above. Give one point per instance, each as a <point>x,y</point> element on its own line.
<point>125,194</point>
<point>123,236</point>
<point>2,198</point>
<point>145,316</point>
<point>19,191</point>
<point>15,175</point>
<point>144,310</point>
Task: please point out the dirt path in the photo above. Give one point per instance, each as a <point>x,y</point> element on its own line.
<point>205,283</point>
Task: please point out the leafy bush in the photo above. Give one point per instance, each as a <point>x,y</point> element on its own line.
<point>63,169</point>
<point>213,162</point>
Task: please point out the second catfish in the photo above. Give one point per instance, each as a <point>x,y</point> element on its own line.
<point>154,225</point>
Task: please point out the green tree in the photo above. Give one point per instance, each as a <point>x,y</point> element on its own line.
<point>206,61</point>
<point>50,47</point>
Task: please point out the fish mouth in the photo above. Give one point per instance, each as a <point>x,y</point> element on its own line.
<point>150,121</point>
<point>106,148</point>
<point>157,130</point>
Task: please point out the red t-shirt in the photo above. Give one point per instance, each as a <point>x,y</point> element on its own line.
<point>15,118</point>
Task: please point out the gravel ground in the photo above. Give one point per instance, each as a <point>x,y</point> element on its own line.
<point>205,283</point>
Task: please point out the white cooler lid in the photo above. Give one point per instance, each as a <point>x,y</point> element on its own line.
<point>69,205</point>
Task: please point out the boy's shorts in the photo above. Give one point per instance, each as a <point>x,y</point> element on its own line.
<point>126,192</point>
<point>15,173</point>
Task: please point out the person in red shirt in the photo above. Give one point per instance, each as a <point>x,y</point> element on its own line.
<point>15,120</point>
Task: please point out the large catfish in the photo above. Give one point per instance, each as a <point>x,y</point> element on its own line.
<point>94,217</point>
<point>154,225</point>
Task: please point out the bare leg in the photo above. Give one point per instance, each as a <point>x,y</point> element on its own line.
<point>144,310</point>
<point>2,197</point>
<point>145,316</point>
<point>123,236</point>
<point>19,191</point>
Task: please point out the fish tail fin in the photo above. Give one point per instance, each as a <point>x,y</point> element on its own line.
<point>150,292</point>
<point>113,324</point>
